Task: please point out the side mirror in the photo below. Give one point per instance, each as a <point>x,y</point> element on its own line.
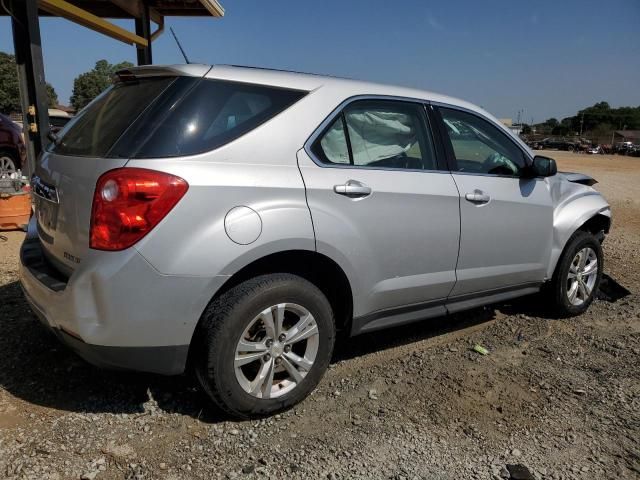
<point>543,166</point>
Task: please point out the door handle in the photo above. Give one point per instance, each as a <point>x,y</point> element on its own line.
<point>353,189</point>
<point>477,197</point>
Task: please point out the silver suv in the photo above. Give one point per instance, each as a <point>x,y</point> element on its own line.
<point>234,219</point>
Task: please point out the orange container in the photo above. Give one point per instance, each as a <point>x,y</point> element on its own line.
<point>15,210</point>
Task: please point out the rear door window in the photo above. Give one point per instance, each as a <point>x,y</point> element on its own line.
<point>379,134</point>
<point>333,146</point>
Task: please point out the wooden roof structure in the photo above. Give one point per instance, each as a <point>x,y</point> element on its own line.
<point>93,14</point>
<point>167,8</point>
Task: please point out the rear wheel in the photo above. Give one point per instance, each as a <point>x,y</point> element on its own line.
<point>577,276</point>
<point>264,345</point>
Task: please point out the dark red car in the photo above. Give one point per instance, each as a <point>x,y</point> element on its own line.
<point>12,150</point>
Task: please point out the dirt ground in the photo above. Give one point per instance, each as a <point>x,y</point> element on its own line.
<point>558,398</point>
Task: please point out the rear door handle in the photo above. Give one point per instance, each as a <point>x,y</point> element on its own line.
<point>477,197</point>
<point>353,189</point>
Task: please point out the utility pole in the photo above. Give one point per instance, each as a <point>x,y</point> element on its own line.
<point>581,123</point>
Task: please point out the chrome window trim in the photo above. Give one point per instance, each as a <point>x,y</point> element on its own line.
<point>494,175</point>
<point>320,129</point>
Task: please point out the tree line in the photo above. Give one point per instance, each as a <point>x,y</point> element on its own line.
<point>597,120</point>
<point>86,86</point>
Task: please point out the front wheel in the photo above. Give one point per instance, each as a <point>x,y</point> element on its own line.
<point>577,276</point>
<point>264,345</point>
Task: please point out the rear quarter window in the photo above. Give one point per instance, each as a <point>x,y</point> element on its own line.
<point>169,117</point>
<point>213,113</point>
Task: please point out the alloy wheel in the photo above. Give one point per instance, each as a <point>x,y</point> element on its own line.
<point>276,350</point>
<point>582,276</point>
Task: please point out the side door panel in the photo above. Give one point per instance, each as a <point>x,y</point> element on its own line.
<point>507,241</point>
<point>401,241</point>
<point>506,219</point>
<point>399,229</point>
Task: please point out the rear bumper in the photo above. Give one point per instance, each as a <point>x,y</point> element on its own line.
<point>116,310</point>
<point>167,360</point>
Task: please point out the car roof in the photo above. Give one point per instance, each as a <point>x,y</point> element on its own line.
<point>313,81</point>
<point>294,80</point>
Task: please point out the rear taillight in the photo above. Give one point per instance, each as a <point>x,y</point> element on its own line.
<point>128,203</point>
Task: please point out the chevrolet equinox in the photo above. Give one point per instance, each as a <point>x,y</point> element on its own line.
<point>233,219</point>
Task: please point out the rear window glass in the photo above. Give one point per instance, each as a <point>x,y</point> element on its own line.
<point>210,115</point>
<point>98,126</point>
<point>168,117</point>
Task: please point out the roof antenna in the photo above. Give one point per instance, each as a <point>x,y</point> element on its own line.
<point>179,46</point>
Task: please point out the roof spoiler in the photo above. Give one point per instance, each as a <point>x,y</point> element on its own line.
<point>147,71</point>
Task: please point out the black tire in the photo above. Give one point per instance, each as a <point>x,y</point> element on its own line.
<point>225,320</point>
<point>557,288</point>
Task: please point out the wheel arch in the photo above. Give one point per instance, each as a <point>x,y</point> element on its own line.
<point>596,224</point>
<point>315,267</point>
<point>589,213</point>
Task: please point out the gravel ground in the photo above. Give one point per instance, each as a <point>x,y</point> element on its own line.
<point>556,399</point>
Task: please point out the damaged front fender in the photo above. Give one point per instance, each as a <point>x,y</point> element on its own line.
<point>576,204</point>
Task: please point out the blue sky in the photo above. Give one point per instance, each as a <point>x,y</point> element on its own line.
<point>547,58</point>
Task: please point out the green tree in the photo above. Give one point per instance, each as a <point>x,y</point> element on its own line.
<point>526,129</point>
<point>597,120</point>
<point>601,116</point>
<point>560,130</point>
<point>547,126</point>
<point>602,130</point>
<point>53,96</point>
<point>9,86</point>
<point>89,85</point>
